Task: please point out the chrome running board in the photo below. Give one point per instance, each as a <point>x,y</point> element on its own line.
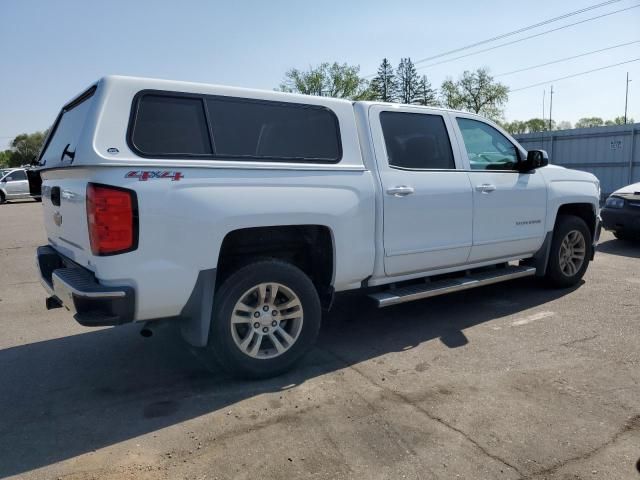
<point>440,287</point>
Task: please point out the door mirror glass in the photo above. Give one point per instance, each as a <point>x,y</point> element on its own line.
<point>535,159</point>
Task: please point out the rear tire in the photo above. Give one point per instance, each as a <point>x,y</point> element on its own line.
<point>570,253</point>
<point>2,199</point>
<point>256,335</point>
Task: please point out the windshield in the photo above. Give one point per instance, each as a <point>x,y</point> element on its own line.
<point>3,173</point>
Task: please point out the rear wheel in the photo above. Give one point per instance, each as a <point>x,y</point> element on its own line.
<point>570,252</point>
<point>2,199</point>
<point>266,316</point>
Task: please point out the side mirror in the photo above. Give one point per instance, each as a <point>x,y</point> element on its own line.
<point>535,159</point>
<point>6,179</point>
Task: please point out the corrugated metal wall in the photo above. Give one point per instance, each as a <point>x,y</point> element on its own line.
<point>611,153</point>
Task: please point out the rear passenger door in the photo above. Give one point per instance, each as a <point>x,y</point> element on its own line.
<point>427,198</point>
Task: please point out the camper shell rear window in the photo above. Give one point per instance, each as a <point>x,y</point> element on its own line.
<point>182,125</point>
<point>67,127</point>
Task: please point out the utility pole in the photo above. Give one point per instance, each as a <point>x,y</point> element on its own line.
<point>550,106</point>
<point>626,98</point>
<point>544,93</point>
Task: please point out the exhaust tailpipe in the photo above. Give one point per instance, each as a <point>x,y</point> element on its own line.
<point>146,331</point>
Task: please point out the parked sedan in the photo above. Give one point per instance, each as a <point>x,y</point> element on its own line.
<point>621,213</point>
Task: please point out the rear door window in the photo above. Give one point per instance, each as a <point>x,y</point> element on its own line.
<point>168,125</point>
<point>417,141</point>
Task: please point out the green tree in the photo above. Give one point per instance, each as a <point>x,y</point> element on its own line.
<point>515,127</point>
<point>618,121</point>
<point>537,125</point>
<point>426,94</point>
<point>384,86</point>
<point>589,122</point>
<point>476,92</point>
<point>5,158</point>
<point>564,125</point>
<point>24,148</point>
<point>327,80</point>
<point>408,81</point>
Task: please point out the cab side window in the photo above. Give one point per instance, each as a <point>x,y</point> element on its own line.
<point>486,147</point>
<point>417,141</point>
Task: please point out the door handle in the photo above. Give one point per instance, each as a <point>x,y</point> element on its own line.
<point>485,188</point>
<point>400,191</point>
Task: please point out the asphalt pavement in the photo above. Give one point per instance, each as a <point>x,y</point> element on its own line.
<point>509,381</point>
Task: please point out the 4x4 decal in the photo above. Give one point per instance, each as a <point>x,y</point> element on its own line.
<point>144,175</point>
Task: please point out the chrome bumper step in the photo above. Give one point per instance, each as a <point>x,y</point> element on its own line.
<point>440,287</point>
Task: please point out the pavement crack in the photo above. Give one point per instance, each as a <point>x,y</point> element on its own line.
<point>404,399</point>
<point>630,425</point>
<point>579,340</point>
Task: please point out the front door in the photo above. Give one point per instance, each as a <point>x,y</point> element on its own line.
<point>427,199</point>
<point>17,185</point>
<point>509,207</point>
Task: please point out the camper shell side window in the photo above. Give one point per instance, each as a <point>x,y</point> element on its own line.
<point>182,125</point>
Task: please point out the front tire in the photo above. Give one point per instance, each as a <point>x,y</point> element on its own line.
<point>570,252</point>
<point>266,316</point>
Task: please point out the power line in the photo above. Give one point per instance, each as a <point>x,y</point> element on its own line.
<point>574,75</point>
<point>567,58</point>
<point>515,32</point>
<point>528,37</point>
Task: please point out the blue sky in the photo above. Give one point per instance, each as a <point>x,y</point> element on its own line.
<point>51,50</point>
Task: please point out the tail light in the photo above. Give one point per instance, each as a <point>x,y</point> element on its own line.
<point>112,216</point>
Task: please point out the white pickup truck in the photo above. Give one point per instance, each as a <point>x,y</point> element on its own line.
<point>237,214</point>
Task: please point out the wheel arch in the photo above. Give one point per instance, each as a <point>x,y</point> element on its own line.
<point>584,210</point>
<point>310,247</point>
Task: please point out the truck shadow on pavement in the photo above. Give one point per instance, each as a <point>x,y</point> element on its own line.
<point>624,248</point>
<point>64,397</point>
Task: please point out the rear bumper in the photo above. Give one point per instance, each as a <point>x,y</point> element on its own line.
<point>77,289</point>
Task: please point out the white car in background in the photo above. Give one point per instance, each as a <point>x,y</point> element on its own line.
<point>14,185</point>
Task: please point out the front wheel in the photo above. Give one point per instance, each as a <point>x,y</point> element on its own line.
<point>570,252</point>
<point>266,316</point>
